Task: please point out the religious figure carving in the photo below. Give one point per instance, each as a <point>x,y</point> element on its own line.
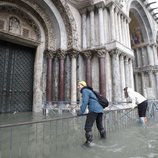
<point>14,25</point>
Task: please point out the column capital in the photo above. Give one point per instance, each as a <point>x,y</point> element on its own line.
<point>87,53</point>
<point>49,53</point>
<point>83,11</point>
<point>61,53</point>
<point>115,52</point>
<point>73,52</point>
<point>101,52</point>
<point>90,8</point>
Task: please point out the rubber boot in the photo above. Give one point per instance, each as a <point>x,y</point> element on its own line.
<point>89,138</point>
<point>103,134</point>
<point>142,122</point>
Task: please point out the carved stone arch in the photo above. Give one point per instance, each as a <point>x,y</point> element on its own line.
<point>69,21</point>
<point>137,10</point>
<point>16,13</point>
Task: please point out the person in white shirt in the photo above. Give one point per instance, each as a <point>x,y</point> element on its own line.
<point>137,100</point>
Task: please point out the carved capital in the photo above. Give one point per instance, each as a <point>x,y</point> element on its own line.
<point>49,53</point>
<point>87,53</point>
<point>101,52</point>
<point>73,53</point>
<point>61,53</point>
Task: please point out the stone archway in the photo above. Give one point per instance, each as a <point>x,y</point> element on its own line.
<point>142,42</point>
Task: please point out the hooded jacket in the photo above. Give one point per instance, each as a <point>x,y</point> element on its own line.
<point>135,97</point>
<point>89,99</point>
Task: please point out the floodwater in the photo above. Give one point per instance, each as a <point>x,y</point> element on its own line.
<point>63,138</point>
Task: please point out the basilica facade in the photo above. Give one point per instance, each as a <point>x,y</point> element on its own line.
<point>47,46</point>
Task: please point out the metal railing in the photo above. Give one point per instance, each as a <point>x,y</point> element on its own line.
<point>51,136</point>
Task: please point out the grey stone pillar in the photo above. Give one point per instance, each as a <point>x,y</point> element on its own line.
<point>126,72</point>
<point>119,26</point>
<point>112,23</point>
<point>84,27</point>
<point>131,74</point>
<point>155,54</point>
<point>73,54</point>
<point>101,27</point>
<point>143,83</point>
<point>150,55</point>
<point>136,82</point>
<point>122,75</point>
<point>92,35</point>
<point>108,71</point>
<point>116,76</point>
<point>116,24</point>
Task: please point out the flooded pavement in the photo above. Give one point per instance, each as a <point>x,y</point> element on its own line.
<point>41,136</point>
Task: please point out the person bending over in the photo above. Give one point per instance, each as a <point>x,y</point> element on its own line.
<point>95,112</point>
<point>137,100</point>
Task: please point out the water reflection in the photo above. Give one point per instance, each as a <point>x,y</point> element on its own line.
<point>63,138</point>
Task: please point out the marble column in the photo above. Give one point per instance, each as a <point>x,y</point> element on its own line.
<point>143,83</point>
<point>143,56</point>
<point>50,55</point>
<point>88,74</point>
<point>61,56</point>
<point>151,79</point>
<point>156,76</point>
<point>155,54</point>
<point>73,55</point>
<point>116,24</point>
<point>136,82</point>
<point>102,81</point>
<point>116,76</point>
<point>128,34</point>
<point>139,60</point>
<point>126,72</point>
<point>150,57</point>
<point>84,29</point>
<point>122,75</point>
<point>123,30</point>
<point>101,27</point>
<point>108,77</point>
<point>131,74</point>
<point>112,23</point>
<point>106,26</point>
<point>92,31</point>
<point>119,26</point>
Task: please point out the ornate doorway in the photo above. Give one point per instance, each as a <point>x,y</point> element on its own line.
<point>16,77</point>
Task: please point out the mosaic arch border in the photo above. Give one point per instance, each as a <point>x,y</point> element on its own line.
<point>143,16</point>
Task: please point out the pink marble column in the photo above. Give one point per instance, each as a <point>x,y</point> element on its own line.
<point>61,56</point>
<point>50,55</point>
<point>102,81</point>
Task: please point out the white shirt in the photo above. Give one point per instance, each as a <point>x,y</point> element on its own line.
<point>135,97</point>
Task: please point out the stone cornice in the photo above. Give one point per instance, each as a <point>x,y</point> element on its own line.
<point>146,69</point>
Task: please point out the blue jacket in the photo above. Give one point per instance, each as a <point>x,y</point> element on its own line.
<point>89,99</point>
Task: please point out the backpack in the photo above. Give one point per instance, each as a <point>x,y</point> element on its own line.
<point>101,99</point>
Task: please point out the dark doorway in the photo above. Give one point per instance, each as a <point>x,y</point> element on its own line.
<point>16,77</point>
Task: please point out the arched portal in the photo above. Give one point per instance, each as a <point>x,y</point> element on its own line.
<point>143,44</point>
<point>38,25</point>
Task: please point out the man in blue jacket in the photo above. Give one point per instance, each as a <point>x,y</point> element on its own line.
<point>95,112</point>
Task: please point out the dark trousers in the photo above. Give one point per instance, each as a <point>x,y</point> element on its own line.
<point>142,107</point>
<point>91,118</point>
